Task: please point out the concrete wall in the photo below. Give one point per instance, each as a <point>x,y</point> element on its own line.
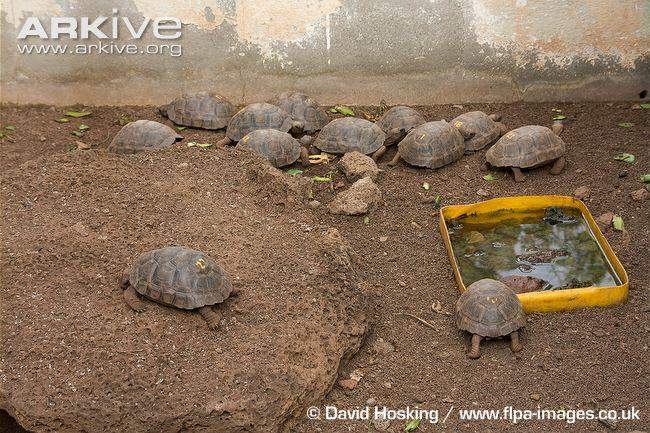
<point>352,51</point>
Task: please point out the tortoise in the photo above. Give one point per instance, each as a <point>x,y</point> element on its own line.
<point>489,308</point>
<point>179,277</point>
<point>431,145</point>
<point>478,129</point>
<point>257,116</point>
<point>523,283</point>
<point>529,147</point>
<point>304,110</point>
<point>278,147</point>
<point>397,122</point>
<point>143,135</point>
<point>199,110</point>
<point>349,134</point>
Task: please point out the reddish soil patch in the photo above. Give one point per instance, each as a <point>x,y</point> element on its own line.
<point>570,360</point>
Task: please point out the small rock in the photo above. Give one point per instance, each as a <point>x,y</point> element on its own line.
<point>457,106</point>
<point>640,194</point>
<point>380,423</point>
<point>401,283</point>
<point>605,220</point>
<point>416,225</point>
<point>482,193</point>
<point>623,174</point>
<point>42,138</point>
<point>348,383</point>
<point>360,198</point>
<point>371,402</point>
<point>582,193</point>
<point>388,385</point>
<point>535,397</point>
<point>383,238</point>
<point>447,400</point>
<point>382,347</point>
<point>183,165</point>
<point>356,165</point>
<point>81,145</point>
<point>313,204</point>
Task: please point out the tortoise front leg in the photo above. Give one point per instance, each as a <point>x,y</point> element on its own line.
<point>515,344</point>
<point>475,350</point>
<point>395,160</point>
<point>519,176</point>
<point>304,156</point>
<point>225,141</point>
<point>379,153</point>
<point>212,317</point>
<point>558,165</point>
<point>132,300</point>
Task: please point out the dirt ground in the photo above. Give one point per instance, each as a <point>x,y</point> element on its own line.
<point>574,360</point>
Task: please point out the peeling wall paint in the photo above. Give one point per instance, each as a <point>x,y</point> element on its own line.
<point>357,51</point>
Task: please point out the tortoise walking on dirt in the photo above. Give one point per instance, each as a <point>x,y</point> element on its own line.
<point>489,308</point>
<point>178,277</point>
<point>143,135</point>
<point>199,110</point>
<point>278,147</point>
<point>349,134</point>
<point>529,147</point>
<point>430,145</point>
<point>479,129</point>
<point>257,116</point>
<point>308,114</point>
<point>397,122</point>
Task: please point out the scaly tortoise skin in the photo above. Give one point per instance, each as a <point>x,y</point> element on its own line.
<point>397,122</point>
<point>179,277</point>
<point>489,308</point>
<point>257,116</point>
<point>431,145</point>
<point>349,134</point>
<point>304,110</point>
<point>528,147</point>
<point>143,135</point>
<point>200,110</point>
<point>278,147</point>
<point>478,129</point>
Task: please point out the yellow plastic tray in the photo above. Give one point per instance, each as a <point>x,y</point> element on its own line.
<point>551,300</point>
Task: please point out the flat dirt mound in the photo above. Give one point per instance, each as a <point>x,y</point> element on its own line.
<point>76,358</point>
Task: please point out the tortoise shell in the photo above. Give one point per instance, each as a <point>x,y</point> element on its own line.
<point>143,135</point>
<point>397,122</point>
<point>304,110</point>
<point>489,308</point>
<point>258,116</point>
<point>200,110</point>
<point>478,130</point>
<point>432,145</point>
<point>180,277</point>
<point>278,147</point>
<point>526,147</point>
<point>349,134</point>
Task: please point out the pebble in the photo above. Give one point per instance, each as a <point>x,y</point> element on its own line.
<point>388,385</point>
<point>82,146</point>
<point>582,193</point>
<point>383,238</point>
<point>313,204</point>
<point>640,194</point>
<point>447,400</point>
<point>348,383</point>
<point>371,402</point>
<point>535,397</point>
<point>623,174</point>
<point>482,193</point>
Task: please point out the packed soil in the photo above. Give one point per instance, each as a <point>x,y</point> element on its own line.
<point>585,359</point>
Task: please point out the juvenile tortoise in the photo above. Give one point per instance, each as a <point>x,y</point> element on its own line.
<point>257,116</point>
<point>397,122</point>
<point>478,129</point>
<point>489,308</point>
<point>178,277</point>
<point>308,114</point>
<point>349,134</point>
<point>431,145</point>
<point>278,147</point>
<point>199,110</point>
<point>529,147</point>
<point>143,135</point>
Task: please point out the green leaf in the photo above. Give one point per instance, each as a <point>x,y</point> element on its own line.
<point>322,179</point>
<point>191,143</point>
<point>366,220</point>
<point>626,124</point>
<point>617,222</point>
<point>333,110</point>
<point>180,128</point>
<point>645,105</point>
<point>344,110</point>
<point>204,145</point>
<point>78,114</point>
<point>63,120</point>
<point>625,157</point>
<point>437,201</point>
<point>10,127</point>
<point>557,110</point>
<point>489,177</point>
<point>426,186</point>
<point>294,171</point>
<point>77,133</point>
<point>83,127</point>
<point>559,117</point>
<point>645,178</point>
<point>412,425</point>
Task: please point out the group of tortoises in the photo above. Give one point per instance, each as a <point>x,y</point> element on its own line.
<point>270,130</point>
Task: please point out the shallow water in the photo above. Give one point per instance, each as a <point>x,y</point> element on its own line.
<point>564,254</point>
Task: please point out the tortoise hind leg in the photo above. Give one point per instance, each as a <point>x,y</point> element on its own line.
<point>212,317</point>
<point>475,350</point>
<point>393,162</point>
<point>558,165</point>
<point>519,176</point>
<point>132,300</point>
<point>515,344</point>
<point>378,153</point>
